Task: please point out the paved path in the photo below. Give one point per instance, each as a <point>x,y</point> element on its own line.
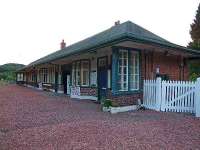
<point>31,119</point>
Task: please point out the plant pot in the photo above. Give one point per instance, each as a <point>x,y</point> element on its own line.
<point>115,110</point>
<point>106,109</point>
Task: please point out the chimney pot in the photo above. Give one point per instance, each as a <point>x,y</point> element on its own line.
<point>117,23</point>
<point>62,44</point>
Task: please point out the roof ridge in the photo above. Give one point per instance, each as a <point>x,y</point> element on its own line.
<point>115,32</point>
<point>147,31</point>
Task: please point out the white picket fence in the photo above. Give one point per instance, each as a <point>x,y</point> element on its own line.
<point>178,96</point>
<point>174,96</point>
<point>149,94</point>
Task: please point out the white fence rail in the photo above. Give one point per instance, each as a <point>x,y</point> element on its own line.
<point>178,96</point>
<point>149,92</point>
<point>174,96</point>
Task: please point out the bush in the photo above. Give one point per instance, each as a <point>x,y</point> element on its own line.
<point>194,76</point>
<point>107,103</point>
<point>194,70</point>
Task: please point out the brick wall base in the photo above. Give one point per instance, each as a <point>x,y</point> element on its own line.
<point>89,91</point>
<point>124,100</point>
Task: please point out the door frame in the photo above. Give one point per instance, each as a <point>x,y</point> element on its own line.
<point>56,81</point>
<point>98,69</point>
<point>65,73</point>
<point>68,88</point>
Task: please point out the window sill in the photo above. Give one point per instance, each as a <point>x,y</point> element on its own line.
<point>119,93</point>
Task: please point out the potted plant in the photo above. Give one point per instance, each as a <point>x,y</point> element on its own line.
<point>107,103</point>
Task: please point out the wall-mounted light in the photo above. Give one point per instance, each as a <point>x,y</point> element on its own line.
<point>157,70</point>
<point>166,53</point>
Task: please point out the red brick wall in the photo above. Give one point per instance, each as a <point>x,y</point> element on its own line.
<point>88,91</point>
<point>170,65</point>
<point>124,100</point>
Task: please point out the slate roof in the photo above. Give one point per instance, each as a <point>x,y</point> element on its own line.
<point>125,30</point>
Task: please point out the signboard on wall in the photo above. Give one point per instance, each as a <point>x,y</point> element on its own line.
<point>75,91</point>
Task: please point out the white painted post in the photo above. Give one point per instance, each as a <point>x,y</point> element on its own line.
<point>197,98</point>
<point>158,93</point>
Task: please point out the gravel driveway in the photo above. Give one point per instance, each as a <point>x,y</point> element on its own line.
<point>31,119</point>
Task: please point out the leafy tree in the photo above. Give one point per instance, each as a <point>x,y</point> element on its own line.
<point>195,31</point>
<point>7,71</point>
<point>195,44</point>
<point>194,70</point>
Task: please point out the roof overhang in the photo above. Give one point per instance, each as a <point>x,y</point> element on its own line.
<point>190,52</point>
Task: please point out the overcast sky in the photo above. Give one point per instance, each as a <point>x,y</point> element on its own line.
<point>30,29</point>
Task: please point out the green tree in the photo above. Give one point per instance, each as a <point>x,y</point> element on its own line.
<point>195,31</point>
<point>195,44</point>
<point>7,71</point>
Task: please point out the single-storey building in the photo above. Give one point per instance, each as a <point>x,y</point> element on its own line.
<point>111,64</point>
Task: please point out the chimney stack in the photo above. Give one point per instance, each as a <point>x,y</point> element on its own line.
<point>117,23</point>
<point>62,44</point>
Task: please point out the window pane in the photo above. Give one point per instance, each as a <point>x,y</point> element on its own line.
<point>73,73</point>
<point>78,73</point>
<point>134,71</point>
<point>123,70</point>
<point>85,73</point>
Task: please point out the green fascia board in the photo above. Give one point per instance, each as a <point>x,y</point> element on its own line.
<point>165,45</point>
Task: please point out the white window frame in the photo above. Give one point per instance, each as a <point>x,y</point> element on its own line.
<point>128,76</point>
<point>43,75</point>
<point>73,74</point>
<point>77,66</point>
<point>88,72</point>
<point>122,75</point>
<point>20,77</point>
<point>78,73</point>
<point>32,77</point>
<point>133,72</point>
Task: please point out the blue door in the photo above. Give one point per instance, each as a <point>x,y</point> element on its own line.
<point>102,77</point>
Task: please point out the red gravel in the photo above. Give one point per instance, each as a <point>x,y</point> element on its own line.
<point>30,119</point>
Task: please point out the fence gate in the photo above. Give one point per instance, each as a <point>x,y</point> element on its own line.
<point>174,96</point>
<point>178,96</point>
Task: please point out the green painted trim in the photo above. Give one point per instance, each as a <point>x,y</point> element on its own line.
<point>115,88</point>
<point>114,70</point>
<point>98,88</point>
<point>122,93</point>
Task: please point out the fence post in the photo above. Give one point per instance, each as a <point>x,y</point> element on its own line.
<point>158,93</point>
<point>197,97</point>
